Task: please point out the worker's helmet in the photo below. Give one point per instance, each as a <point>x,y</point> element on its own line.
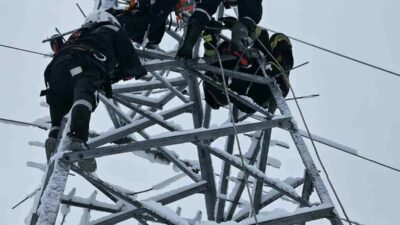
<point>282,48</point>
<point>56,44</point>
<point>104,4</point>
<point>102,16</point>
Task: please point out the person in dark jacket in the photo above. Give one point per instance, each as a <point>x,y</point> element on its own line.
<point>250,13</point>
<point>98,54</point>
<point>278,48</point>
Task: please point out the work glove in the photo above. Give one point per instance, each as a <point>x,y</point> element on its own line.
<point>141,72</point>
<point>119,74</point>
<point>228,21</point>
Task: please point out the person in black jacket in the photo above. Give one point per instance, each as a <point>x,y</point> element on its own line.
<point>250,13</point>
<point>276,50</point>
<point>98,54</point>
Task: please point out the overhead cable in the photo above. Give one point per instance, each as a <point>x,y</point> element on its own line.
<point>25,50</point>
<point>341,55</point>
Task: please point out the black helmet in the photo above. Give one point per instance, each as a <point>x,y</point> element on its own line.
<point>281,46</point>
<point>56,44</point>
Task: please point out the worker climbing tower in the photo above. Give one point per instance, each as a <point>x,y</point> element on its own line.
<point>151,116</point>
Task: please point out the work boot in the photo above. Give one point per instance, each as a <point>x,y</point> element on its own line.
<point>50,146</point>
<point>152,46</point>
<point>76,145</point>
<point>239,35</point>
<point>192,35</point>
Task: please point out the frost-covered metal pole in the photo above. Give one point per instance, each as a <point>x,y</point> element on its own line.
<point>172,138</point>
<point>207,116</point>
<point>223,186</point>
<point>206,167</point>
<point>46,207</point>
<point>225,171</point>
<point>262,165</point>
<point>170,87</point>
<point>268,198</point>
<point>237,191</point>
<point>303,151</point>
<point>308,188</point>
<point>136,126</point>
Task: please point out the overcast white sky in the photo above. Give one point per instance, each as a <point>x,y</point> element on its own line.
<point>358,106</point>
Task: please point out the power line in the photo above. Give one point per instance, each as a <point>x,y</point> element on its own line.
<point>314,137</point>
<point>25,50</point>
<point>340,54</point>
<point>16,122</point>
<point>303,97</point>
<point>260,118</point>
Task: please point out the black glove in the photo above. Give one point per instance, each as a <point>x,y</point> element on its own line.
<point>105,85</point>
<point>108,89</point>
<point>119,74</point>
<point>139,74</point>
<point>213,27</point>
<point>228,21</point>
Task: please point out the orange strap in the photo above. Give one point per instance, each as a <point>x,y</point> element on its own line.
<point>132,4</point>
<point>181,6</point>
<point>242,59</point>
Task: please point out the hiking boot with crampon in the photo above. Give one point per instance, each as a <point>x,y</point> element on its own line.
<point>193,33</point>
<point>77,145</point>
<point>50,146</point>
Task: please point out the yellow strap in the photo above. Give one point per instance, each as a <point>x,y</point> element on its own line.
<point>207,38</point>
<point>209,52</point>
<point>258,31</point>
<point>279,38</point>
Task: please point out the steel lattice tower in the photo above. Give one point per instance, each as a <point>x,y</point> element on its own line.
<point>145,113</point>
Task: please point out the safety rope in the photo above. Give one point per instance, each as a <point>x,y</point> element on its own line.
<point>285,78</point>
<point>235,130</point>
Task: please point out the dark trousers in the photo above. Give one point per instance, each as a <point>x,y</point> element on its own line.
<point>159,12</point>
<point>151,18</point>
<point>76,92</point>
<point>248,9</point>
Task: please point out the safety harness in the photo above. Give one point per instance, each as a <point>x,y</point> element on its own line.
<point>94,57</point>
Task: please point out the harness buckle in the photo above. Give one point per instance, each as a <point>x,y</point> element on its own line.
<point>99,56</point>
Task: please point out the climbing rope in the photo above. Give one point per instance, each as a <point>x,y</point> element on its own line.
<point>284,75</point>
<point>235,130</point>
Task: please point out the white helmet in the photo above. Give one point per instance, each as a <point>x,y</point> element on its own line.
<point>104,4</point>
<point>101,16</point>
